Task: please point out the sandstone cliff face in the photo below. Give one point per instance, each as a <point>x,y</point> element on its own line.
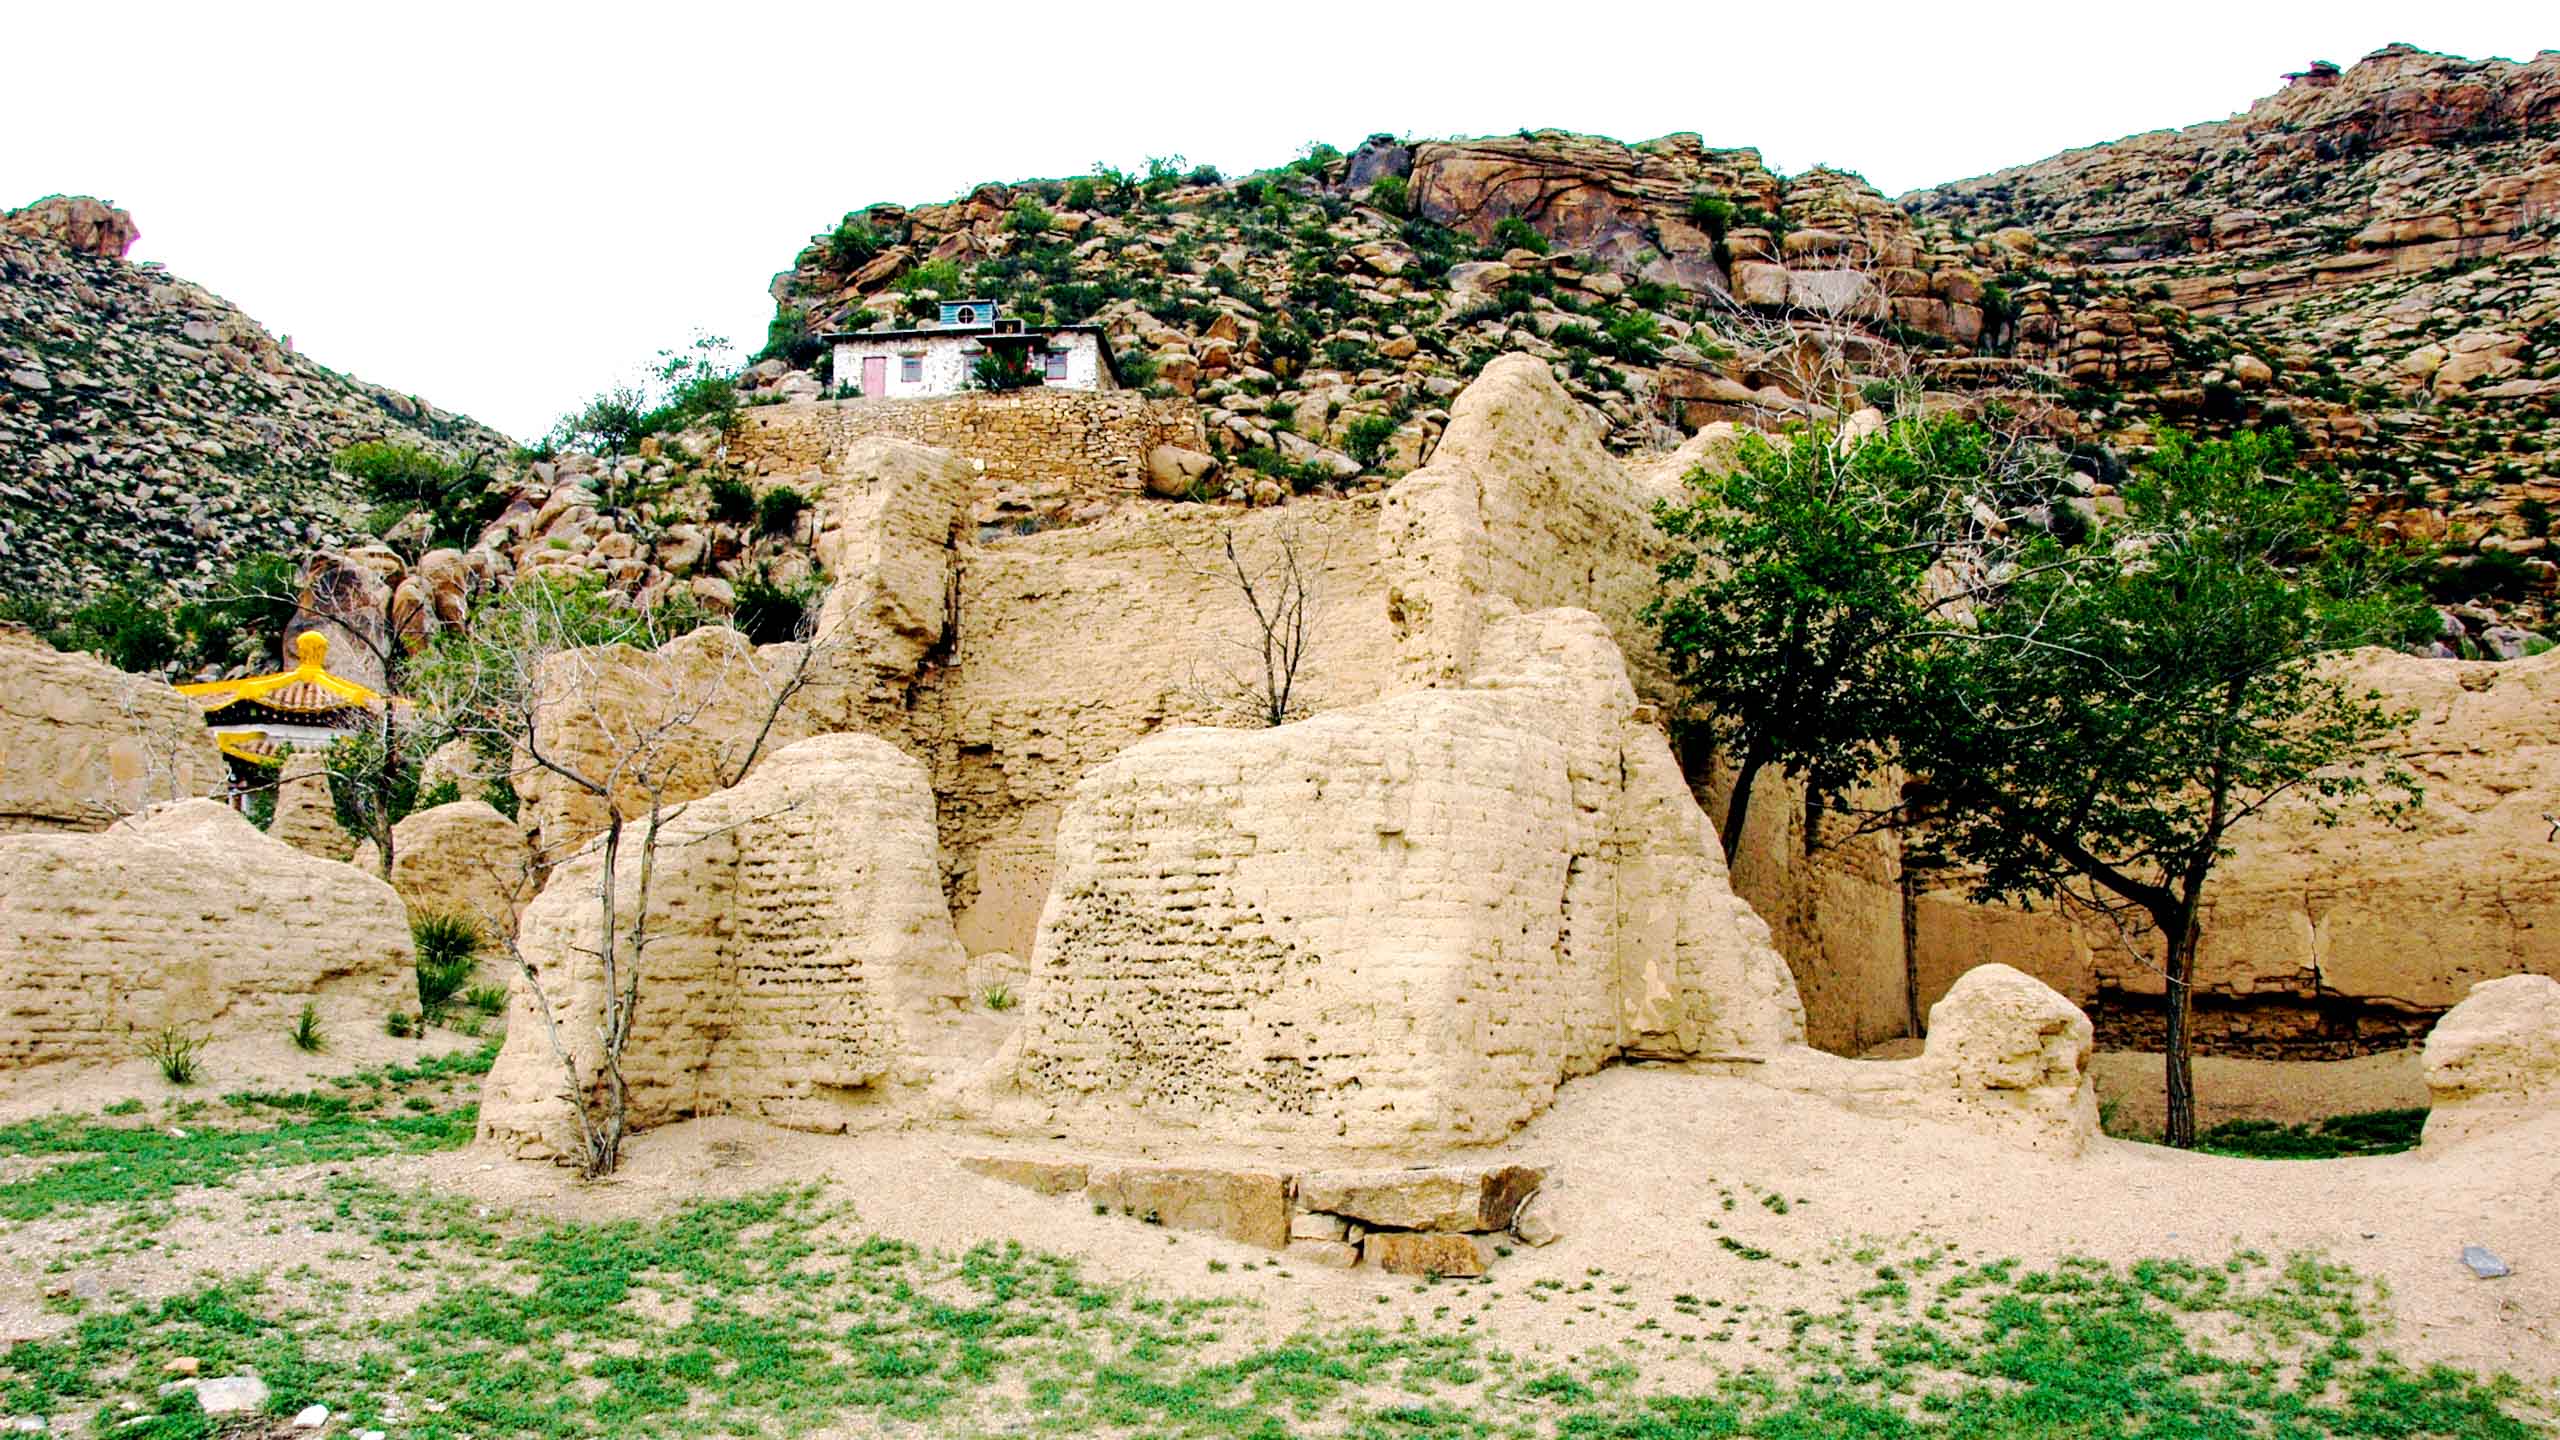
<point>184,916</point>
<point>1401,923</point>
<point>146,425</point>
<point>461,859</point>
<point>82,742</point>
<point>801,955</point>
<point>2494,1060</point>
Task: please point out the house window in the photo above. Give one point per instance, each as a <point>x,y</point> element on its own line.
<point>1054,365</point>
<point>966,315</point>
<point>910,369</point>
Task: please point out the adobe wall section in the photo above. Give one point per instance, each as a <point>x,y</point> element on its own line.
<point>1048,453</point>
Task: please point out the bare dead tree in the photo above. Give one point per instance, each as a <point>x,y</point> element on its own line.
<point>563,684</point>
<point>1257,683</point>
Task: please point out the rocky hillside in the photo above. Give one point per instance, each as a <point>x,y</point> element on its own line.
<point>2372,253</point>
<point>2365,257</point>
<point>149,428</point>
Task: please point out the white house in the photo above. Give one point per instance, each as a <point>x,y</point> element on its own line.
<point>938,359</point>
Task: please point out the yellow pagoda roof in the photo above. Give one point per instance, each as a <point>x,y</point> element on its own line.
<point>306,688</point>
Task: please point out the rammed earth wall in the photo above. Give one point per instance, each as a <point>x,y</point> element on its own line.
<point>1048,453</point>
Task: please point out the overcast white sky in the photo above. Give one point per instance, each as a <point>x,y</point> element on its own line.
<point>502,208</point>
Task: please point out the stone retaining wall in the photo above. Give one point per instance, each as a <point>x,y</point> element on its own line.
<point>1048,454</point>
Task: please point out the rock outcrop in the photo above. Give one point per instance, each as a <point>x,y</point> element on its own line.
<point>82,742</point>
<point>800,954</point>
<point>182,917</point>
<point>2494,1059</point>
<point>147,426</point>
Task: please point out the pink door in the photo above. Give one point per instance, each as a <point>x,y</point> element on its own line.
<point>875,374</point>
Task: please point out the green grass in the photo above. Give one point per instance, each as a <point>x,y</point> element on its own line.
<point>779,1313</point>
<point>2368,1132</point>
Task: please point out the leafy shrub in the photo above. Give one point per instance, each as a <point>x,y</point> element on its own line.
<point>1029,217</point>
<point>1203,175</point>
<point>178,1054</point>
<point>1315,159</point>
<point>1712,213</point>
<point>787,338</point>
<point>1392,194</point>
<point>2498,574</point>
<point>733,501</point>
<point>770,614</point>
<point>400,1025</point>
<point>1136,368</point>
<point>2534,515</point>
<point>2368,1132</point>
<point>448,949</point>
<point>852,245</point>
<point>1080,194</point>
<point>1348,355</point>
<point>1632,336</point>
<point>1365,439</point>
<point>500,795</point>
<point>306,1029</point>
<point>778,513</point>
<point>1514,233</point>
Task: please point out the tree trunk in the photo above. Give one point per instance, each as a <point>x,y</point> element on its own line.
<point>605,1144</point>
<point>2178,1044</point>
<point>1737,811</point>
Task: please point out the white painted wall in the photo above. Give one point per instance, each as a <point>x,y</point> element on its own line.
<point>948,358</point>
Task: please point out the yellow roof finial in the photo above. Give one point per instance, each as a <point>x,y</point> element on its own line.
<point>311,650</point>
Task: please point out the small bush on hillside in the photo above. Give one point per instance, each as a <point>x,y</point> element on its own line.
<point>778,513</point>
<point>733,501</point>
<point>448,950</point>
<point>852,245</point>
<point>1365,439</point>
<point>1080,194</point>
<point>770,614</point>
<point>1514,233</point>
<point>1391,194</point>
<point>1712,213</point>
<point>1029,217</point>
<point>400,1025</point>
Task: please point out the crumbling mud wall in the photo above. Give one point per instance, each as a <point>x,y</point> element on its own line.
<point>799,952</point>
<point>184,916</point>
<point>1401,923</point>
<point>82,742</point>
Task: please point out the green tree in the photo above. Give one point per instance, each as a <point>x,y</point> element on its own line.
<point>2102,721</point>
<point>1795,580</point>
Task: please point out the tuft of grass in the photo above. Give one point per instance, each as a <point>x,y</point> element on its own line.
<point>179,1055</point>
<point>306,1030</point>
<point>487,999</point>
<point>448,951</point>
<point>999,996</point>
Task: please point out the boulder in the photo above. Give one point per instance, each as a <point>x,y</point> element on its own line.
<point>2494,1059</point>
<point>1248,1206</point>
<point>1375,159</point>
<point>802,955</point>
<point>82,742</point>
<point>1473,1199</point>
<point>1040,1177</point>
<point>1178,473</point>
<point>182,916</point>
<point>1451,1257</point>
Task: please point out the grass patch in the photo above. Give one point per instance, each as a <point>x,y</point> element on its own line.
<point>2367,1132</point>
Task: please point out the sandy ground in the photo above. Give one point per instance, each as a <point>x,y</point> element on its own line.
<point>1641,1160</point>
<point>250,1055</point>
